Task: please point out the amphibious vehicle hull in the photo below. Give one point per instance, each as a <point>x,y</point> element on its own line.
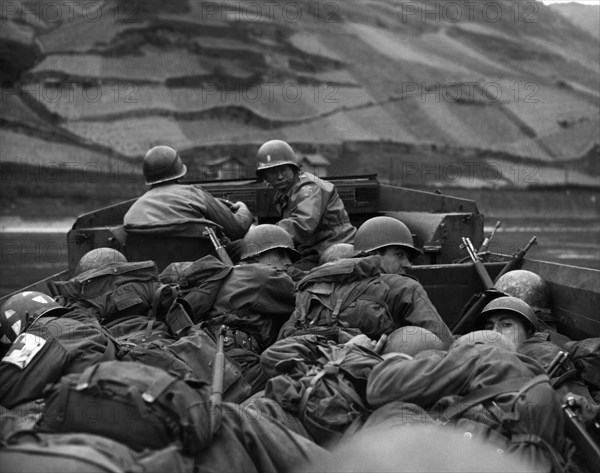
<point>438,223</point>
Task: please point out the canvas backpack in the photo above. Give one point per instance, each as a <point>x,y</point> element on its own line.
<point>114,290</point>
<point>328,393</point>
<point>133,403</point>
<point>28,451</point>
<point>199,282</point>
<point>347,295</point>
<point>528,421</point>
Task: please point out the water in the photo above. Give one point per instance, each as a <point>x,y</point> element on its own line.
<point>28,254</point>
<point>568,241</point>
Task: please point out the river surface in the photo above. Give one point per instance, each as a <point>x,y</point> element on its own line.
<point>33,252</point>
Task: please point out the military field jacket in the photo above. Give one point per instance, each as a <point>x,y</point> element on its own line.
<point>256,299</point>
<point>49,349</point>
<point>314,215</point>
<point>409,304</point>
<point>183,209</point>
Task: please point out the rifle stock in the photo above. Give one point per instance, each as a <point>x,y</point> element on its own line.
<point>221,252</point>
<point>517,258</point>
<point>575,428</point>
<point>576,431</point>
<point>216,396</point>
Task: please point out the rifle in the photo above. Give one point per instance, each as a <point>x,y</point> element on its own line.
<point>574,426</point>
<point>486,242</point>
<point>476,304</point>
<point>516,259</point>
<point>221,252</point>
<point>216,396</point>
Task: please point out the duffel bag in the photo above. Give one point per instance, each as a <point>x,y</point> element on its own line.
<point>133,403</point>
<point>28,452</point>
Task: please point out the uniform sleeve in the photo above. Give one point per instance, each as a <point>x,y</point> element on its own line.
<point>410,305</point>
<point>235,225</point>
<point>257,288</point>
<point>423,380</point>
<point>86,343</point>
<point>276,296</point>
<point>306,212</point>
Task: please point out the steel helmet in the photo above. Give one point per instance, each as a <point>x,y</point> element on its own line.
<point>379,232</point>
<point>486,337</point>
<point>275,153</point>
<point>162,164</point>
<point>21,310</point>
<point>510,304</point>
<point>99,257</point>
<point>525,285</point>
<point>267,237</point>
<point>412,340</point>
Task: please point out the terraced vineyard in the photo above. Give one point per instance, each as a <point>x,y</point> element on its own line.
<point>109,79</point>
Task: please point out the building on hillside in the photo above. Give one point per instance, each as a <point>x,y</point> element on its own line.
<point>315,164</point>
<point>229,167</point>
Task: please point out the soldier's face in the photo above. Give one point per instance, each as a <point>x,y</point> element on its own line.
<point>280,177</point>
<point>509,325</point>
<point>394,259</point>
<point>277,258</point>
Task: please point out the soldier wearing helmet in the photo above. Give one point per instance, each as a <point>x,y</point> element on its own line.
<point>409,304</point>
<point>269,244</point>
<point>311,209</point>
<point>256,298</point>
<point>180,209</point>
<point>509,316</point>
<point>482,386</point>
<point>42,341</point>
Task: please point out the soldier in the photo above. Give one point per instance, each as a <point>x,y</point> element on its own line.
<point>485,388</point>
<point>311,209</point>
<point>510,316</point>
<point>532,289</point>
<point>516,320</point>
<point>178,209</point>
<point>44,341</point>
<point>407,300</point>
<point>256,298</point>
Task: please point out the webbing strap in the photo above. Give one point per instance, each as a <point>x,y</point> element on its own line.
<point>157,388</point>
<point>154,309</point>
<point>84,379</point>
<point>484,394</point>
<point>307,392</point>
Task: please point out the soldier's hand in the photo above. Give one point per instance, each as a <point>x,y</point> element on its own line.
<point>236,206</point>
<point>361,340</point>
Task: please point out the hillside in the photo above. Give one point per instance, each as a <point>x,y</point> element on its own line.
<point>373,85</point>
<point>587,17</point>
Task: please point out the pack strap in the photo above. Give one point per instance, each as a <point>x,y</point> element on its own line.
<point>540,379</point>
<point>158,294</point>
<point>307,393</point>
<point>357,292</point>
<point>330,368</point>
<point>563,378</point>
<point>157,388</point>
<point>63,398</point>
<point>84,379</point>
<point>557,460</point>
<point>474,398</point>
